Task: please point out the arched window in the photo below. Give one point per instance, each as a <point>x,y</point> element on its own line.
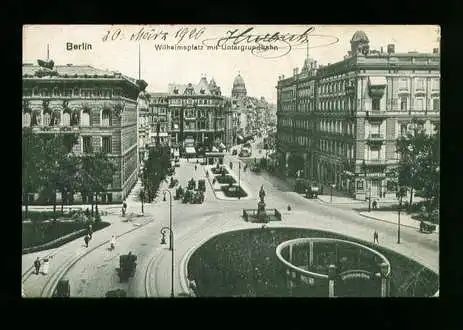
<point>56,91</point>
<point>105,117</point>
<point>46,118</point>
<point>85,117</point>
<point>36,118</point>
<point>66,120</point>
<point>56,117</point>
<point>26,119</point>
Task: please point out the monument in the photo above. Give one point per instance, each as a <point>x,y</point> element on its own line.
<point>261,214</point>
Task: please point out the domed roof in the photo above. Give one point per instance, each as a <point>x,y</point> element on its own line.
<point>359,36</point>
<point>238,81</point>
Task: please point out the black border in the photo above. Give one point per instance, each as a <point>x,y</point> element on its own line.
<point>265,312</point>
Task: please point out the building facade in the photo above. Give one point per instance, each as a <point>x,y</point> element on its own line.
<point>159,126</point>
<point>338,124</point>
<point>198,112</point>
<point>100,106</point>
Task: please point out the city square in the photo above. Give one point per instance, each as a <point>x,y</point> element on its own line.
<point>325,186</point>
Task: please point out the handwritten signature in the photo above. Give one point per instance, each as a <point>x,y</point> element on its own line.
<point>272,45</point>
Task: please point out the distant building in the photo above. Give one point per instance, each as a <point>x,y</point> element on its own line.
<point>100,106</point>
<point>250,114</point>
<point>338,124</point>
<point>198,112</point>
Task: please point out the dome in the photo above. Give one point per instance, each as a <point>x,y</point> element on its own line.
<point>359,36</point>
<point>239,81</point>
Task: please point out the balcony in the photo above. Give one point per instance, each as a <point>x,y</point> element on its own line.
<point>375,137</point>
<point>376,114</point>
<point>377,161</point>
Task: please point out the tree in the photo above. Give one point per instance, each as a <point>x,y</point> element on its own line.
<point>155,170</point>
<point>420,157</point>
<point>96,174</point>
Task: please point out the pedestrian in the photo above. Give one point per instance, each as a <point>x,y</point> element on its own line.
<point>375,237</point>
<point>375,204</point>
<point>113,242</point>
<point>46,265</point>
<point>86,239</point>
<point>124,205</point>
<point>90,231</point>
<point>196,167</point>
<point>37,265</point>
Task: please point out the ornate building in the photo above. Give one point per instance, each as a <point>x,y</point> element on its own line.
<point>101,106</point>
<point>338,124</point>
<point>198,112</point>
<point>250,114</point>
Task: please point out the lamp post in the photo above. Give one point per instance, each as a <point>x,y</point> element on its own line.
<point>163,241</point>
<point>364,168</point>
<point>171,241</point>
<point>400,194</point>
<point>331,192</point>
<point>239,179</point>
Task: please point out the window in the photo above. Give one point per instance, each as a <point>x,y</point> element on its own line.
<point>420,84</point>
<point>419,104</point>
<point>375,130</point>
<point>66,118</point>
<point>85,118</point>
<point>106,117</point>
<point>436,104</point>
<point>26,119</point>
<point>435,84</point>
<point>76,92</point>
<point>403,103</point>
<point>46,119</point>
<point>360,185</point>
<point>403,129</point>
<point>374,154</point>
<point>403,84</point>
<point>106,145</point>
<point>375,104</point>
<point>87,144</point>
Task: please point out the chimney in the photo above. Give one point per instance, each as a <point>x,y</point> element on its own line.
<point>283,77</point>
<point>391,49</point>
<point>295,71</point>
<point>435,50</point>
<point>382,50</point>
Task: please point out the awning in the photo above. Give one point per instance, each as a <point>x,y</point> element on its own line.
<point>378,81</point>
<point>190,150</point>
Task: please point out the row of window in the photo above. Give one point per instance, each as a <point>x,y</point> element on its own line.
<point>106,144</point>
<point>336,126</point>
<point>70,92</point>
<point>200,101</point>
<point>64,118</point>
<point>336,148</point>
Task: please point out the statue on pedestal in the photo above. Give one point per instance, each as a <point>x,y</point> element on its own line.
<point>261,214</point>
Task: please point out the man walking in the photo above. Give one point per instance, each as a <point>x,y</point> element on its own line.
<point>90,231</point>
<point>37,265</point>
<point>86,239</point>
<point>375,237</point>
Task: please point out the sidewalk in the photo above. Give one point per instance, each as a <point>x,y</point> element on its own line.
<point>392,217</point>
<point>34,284</point>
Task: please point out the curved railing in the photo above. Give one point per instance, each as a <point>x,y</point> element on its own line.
<point>303,241</point>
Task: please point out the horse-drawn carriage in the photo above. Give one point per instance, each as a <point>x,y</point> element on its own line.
<point>427,227</point>
<point>127,266</point>
<point>312,191</point>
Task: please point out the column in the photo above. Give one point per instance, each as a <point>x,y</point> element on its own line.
<point>331,277</point>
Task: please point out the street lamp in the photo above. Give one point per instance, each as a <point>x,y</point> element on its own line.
<point>239,179</point>
<point>400,194</point>
<point>364,168</point>
<point>163,241</point>
<point>331,193</point>
<point>171,242</point>
<point>142,197</point>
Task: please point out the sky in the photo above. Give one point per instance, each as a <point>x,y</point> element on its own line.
<point>117,48</point>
